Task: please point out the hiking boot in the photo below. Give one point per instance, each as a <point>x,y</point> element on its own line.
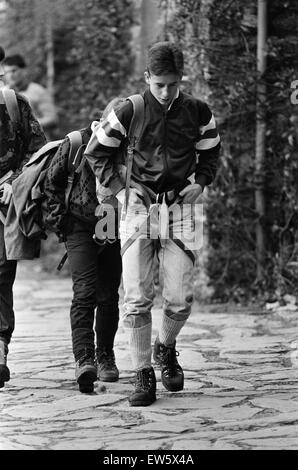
<point>4,370</point>
<point>106,367</point>
<point>86,372</point>
<point>145,388</point>
<point>172,376</point>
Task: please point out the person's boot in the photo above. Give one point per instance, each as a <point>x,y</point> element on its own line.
<point>145,388</point>
<point>86,373</point>
<point>4,370</point>
<point>172,376</point>
<point>106,366</point>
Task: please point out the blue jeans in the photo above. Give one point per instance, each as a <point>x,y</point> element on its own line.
<point>138,273</point>
<point>96,274</point>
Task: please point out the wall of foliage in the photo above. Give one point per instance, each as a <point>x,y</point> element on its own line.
<point>220,41</point>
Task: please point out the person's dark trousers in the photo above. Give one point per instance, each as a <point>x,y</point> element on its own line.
<point>7,277</point>
<point>96,273</point>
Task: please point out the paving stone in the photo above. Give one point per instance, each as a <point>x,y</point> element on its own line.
<point>230,383</point>
<point>241,385</point>
<point>8,444</point>
<point>44,410</point>
<point>276,404</point>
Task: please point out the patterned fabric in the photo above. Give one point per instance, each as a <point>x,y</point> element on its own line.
<point>18,142</point>
<point>83,201</point>
<point>173,144</point>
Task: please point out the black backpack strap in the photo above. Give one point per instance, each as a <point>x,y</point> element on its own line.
<point>45,149</point>
<point>75,138</point>
<point>12,106</point>
<point>134,133</point>
<point>62,261</point>
<point>76,141</point>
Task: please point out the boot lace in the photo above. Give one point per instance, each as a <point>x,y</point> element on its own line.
<point>168,357</point>
<point>107,359</point>
<point>144,379</point>
<point>86,358</point>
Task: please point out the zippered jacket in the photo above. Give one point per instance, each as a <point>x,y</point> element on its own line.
<point>18,142</point>
<point>173,145</point>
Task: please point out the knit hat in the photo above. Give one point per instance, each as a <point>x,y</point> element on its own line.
<point>2,54</point>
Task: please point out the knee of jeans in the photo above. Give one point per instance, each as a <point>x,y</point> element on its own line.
<point>108,308</point>
<point>107,299</point>
<point>84,296</point>
<point>132,320</point>
<point>179,310</point>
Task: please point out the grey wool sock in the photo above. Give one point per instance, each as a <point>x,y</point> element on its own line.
<point>140,346</point>
<point>169,330</point>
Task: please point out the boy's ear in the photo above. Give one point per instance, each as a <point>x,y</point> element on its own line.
<point>147,77</point>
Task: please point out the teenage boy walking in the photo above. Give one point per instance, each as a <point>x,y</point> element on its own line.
<point>95,269</point>
<point>178,139</point>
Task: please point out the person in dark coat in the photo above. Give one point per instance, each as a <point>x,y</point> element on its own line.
<point>17,143</point>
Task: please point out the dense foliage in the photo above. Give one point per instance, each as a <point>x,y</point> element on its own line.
<point>91,44</point>
<point>93,59</point>
<point>220,40</point>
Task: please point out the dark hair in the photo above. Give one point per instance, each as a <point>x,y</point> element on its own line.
<point>2,54</point>
<point>164,58</point>
<point>16,59</point>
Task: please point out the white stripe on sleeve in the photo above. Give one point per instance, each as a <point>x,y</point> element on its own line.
<point>211,125</point>
<point>206,144</point>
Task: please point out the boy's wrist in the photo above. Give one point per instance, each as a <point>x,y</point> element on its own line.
<point>201,180</point>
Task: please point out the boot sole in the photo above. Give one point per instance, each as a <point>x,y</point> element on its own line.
<point>86,381</point>
<point>171,388</point>
<point>108,379</point>
<point>141,403</point>
<point>4,375</point>
<point>86,388</point>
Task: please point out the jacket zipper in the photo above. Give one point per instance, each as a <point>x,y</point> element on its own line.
<point>165,152</point>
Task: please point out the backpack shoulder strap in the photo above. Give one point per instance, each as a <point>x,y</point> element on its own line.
<point>134,133</point>
<point>75,138</point>
<point>44,150</point>
<point>137,121</point>
<point>12,106</point>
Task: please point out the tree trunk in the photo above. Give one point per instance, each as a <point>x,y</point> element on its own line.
<point>261,138</point>
<point>50,52</point>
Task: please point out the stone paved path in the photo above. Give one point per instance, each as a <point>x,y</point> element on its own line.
<point>241,387</point>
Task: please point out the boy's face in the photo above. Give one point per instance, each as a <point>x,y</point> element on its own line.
<point>14,75</point>
<point>163,87</point>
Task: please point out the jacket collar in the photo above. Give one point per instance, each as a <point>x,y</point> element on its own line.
<point>153,101</point>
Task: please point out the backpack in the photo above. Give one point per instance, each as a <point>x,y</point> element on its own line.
<point>24,219</point>
<point>36,199</point>
<point>123,160</point>
<point>28,199</point>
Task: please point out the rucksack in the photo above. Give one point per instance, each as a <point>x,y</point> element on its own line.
<point>28,198</point>
<point>28,201</point>
<point>123,160</point>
